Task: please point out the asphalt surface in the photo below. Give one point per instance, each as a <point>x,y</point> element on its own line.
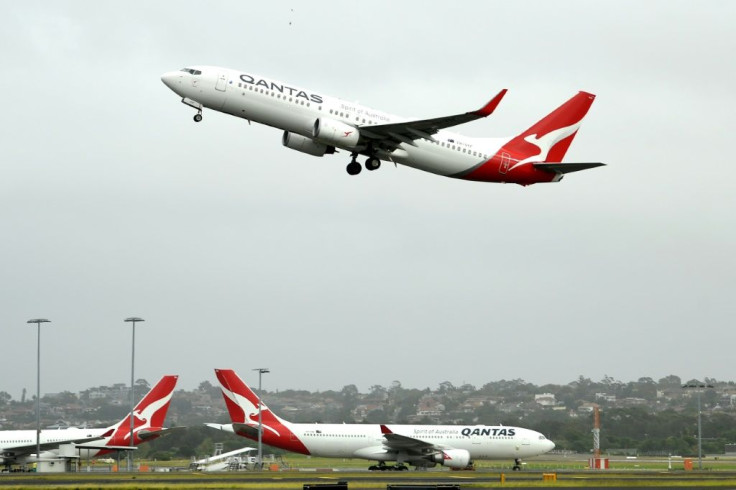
<point>357,482</point>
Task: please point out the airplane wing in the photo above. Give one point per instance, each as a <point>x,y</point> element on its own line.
<point>406,132</point>
<point>406,443</point>
<point>31,448</point>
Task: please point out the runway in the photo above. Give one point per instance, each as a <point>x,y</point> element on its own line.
<point>369,480</point>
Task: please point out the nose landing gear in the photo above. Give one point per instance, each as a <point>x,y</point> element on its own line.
<point>198,116</point>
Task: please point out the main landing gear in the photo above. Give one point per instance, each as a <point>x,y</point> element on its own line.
<point>354,168</point>
<point>381,466</point>
<point>198,116</point>
<point>517,465</point>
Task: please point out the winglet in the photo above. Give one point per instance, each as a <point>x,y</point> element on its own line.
<point>385,430</point>
<point>488,109</point>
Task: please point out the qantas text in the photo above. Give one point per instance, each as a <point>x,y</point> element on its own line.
<point>495,431</point>
<point>295,92</point>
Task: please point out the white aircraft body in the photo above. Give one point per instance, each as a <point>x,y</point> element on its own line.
<point>454,446</point>
<point>19,446</point>
<point>318,124</point>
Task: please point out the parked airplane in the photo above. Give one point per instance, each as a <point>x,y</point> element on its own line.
<point>317,124</point>
<point>454,446</point>
<point>19,446</point>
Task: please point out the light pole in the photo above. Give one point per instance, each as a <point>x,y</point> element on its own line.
<point>132,319</point>
<point>698,389</point>
<point>261,371</point>
<point>38,322</point>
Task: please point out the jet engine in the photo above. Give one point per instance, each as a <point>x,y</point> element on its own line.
<point>305,145</point>
<point>336,133</point>
<point>452,458</point>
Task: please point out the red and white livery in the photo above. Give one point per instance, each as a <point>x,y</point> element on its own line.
<point>19,446</point>
<point>454,446</point>
<point>318,124</point>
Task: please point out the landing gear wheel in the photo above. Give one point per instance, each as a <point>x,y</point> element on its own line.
<point>354,168</point>
<point>517,465</point>
<point>372,163</point>
<point>197,117</point>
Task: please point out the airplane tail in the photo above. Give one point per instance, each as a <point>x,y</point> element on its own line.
<point>148,414</point>
<point>549,139</point>
<point>536,154</point>
<point>241,401</point>
<point>242,405</point>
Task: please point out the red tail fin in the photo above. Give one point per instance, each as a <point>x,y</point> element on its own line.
<point>149,412</point>
<point>546,141</point>
<point>242,404</point>
<point>549,139</point>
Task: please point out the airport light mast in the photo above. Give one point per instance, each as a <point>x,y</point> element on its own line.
<point>698,389</point>
<point>38,322</point>
<point>261,371</point>
<point>132,319</point>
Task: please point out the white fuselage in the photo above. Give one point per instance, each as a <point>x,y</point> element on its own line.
<point>10,439</point>
<point>366,441</point>
<point>295,110</point>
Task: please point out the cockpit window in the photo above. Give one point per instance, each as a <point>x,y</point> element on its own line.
<point>190,70</point>
<point>541,438</point>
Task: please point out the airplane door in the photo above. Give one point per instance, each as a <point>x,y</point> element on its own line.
<point>505,162</point>
<point>221,82</point>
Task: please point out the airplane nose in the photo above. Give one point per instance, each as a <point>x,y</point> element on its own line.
<point>170,79</point>
<point>551,445</point>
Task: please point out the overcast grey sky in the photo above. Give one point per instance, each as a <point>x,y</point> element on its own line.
<point>240,253</point>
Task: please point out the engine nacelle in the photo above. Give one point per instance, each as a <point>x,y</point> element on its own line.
<point>452,458</point>
<point>335,133</point>
<point>305,145</point>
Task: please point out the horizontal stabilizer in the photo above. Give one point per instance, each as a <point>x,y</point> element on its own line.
<point>99,447</point>
<point>566,168</point>
<point>152,432</point>
<point>246,430</point>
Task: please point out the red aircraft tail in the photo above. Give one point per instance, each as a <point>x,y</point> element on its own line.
<point>536,154</point>
<point>242,405</point>
<point>148,415</point>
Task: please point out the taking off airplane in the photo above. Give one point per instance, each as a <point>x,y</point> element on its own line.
<point>454,446</point>
<point>19,446</point>
<point>318,124</point>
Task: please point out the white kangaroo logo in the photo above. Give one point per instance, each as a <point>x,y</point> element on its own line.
<point>545,143</point>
